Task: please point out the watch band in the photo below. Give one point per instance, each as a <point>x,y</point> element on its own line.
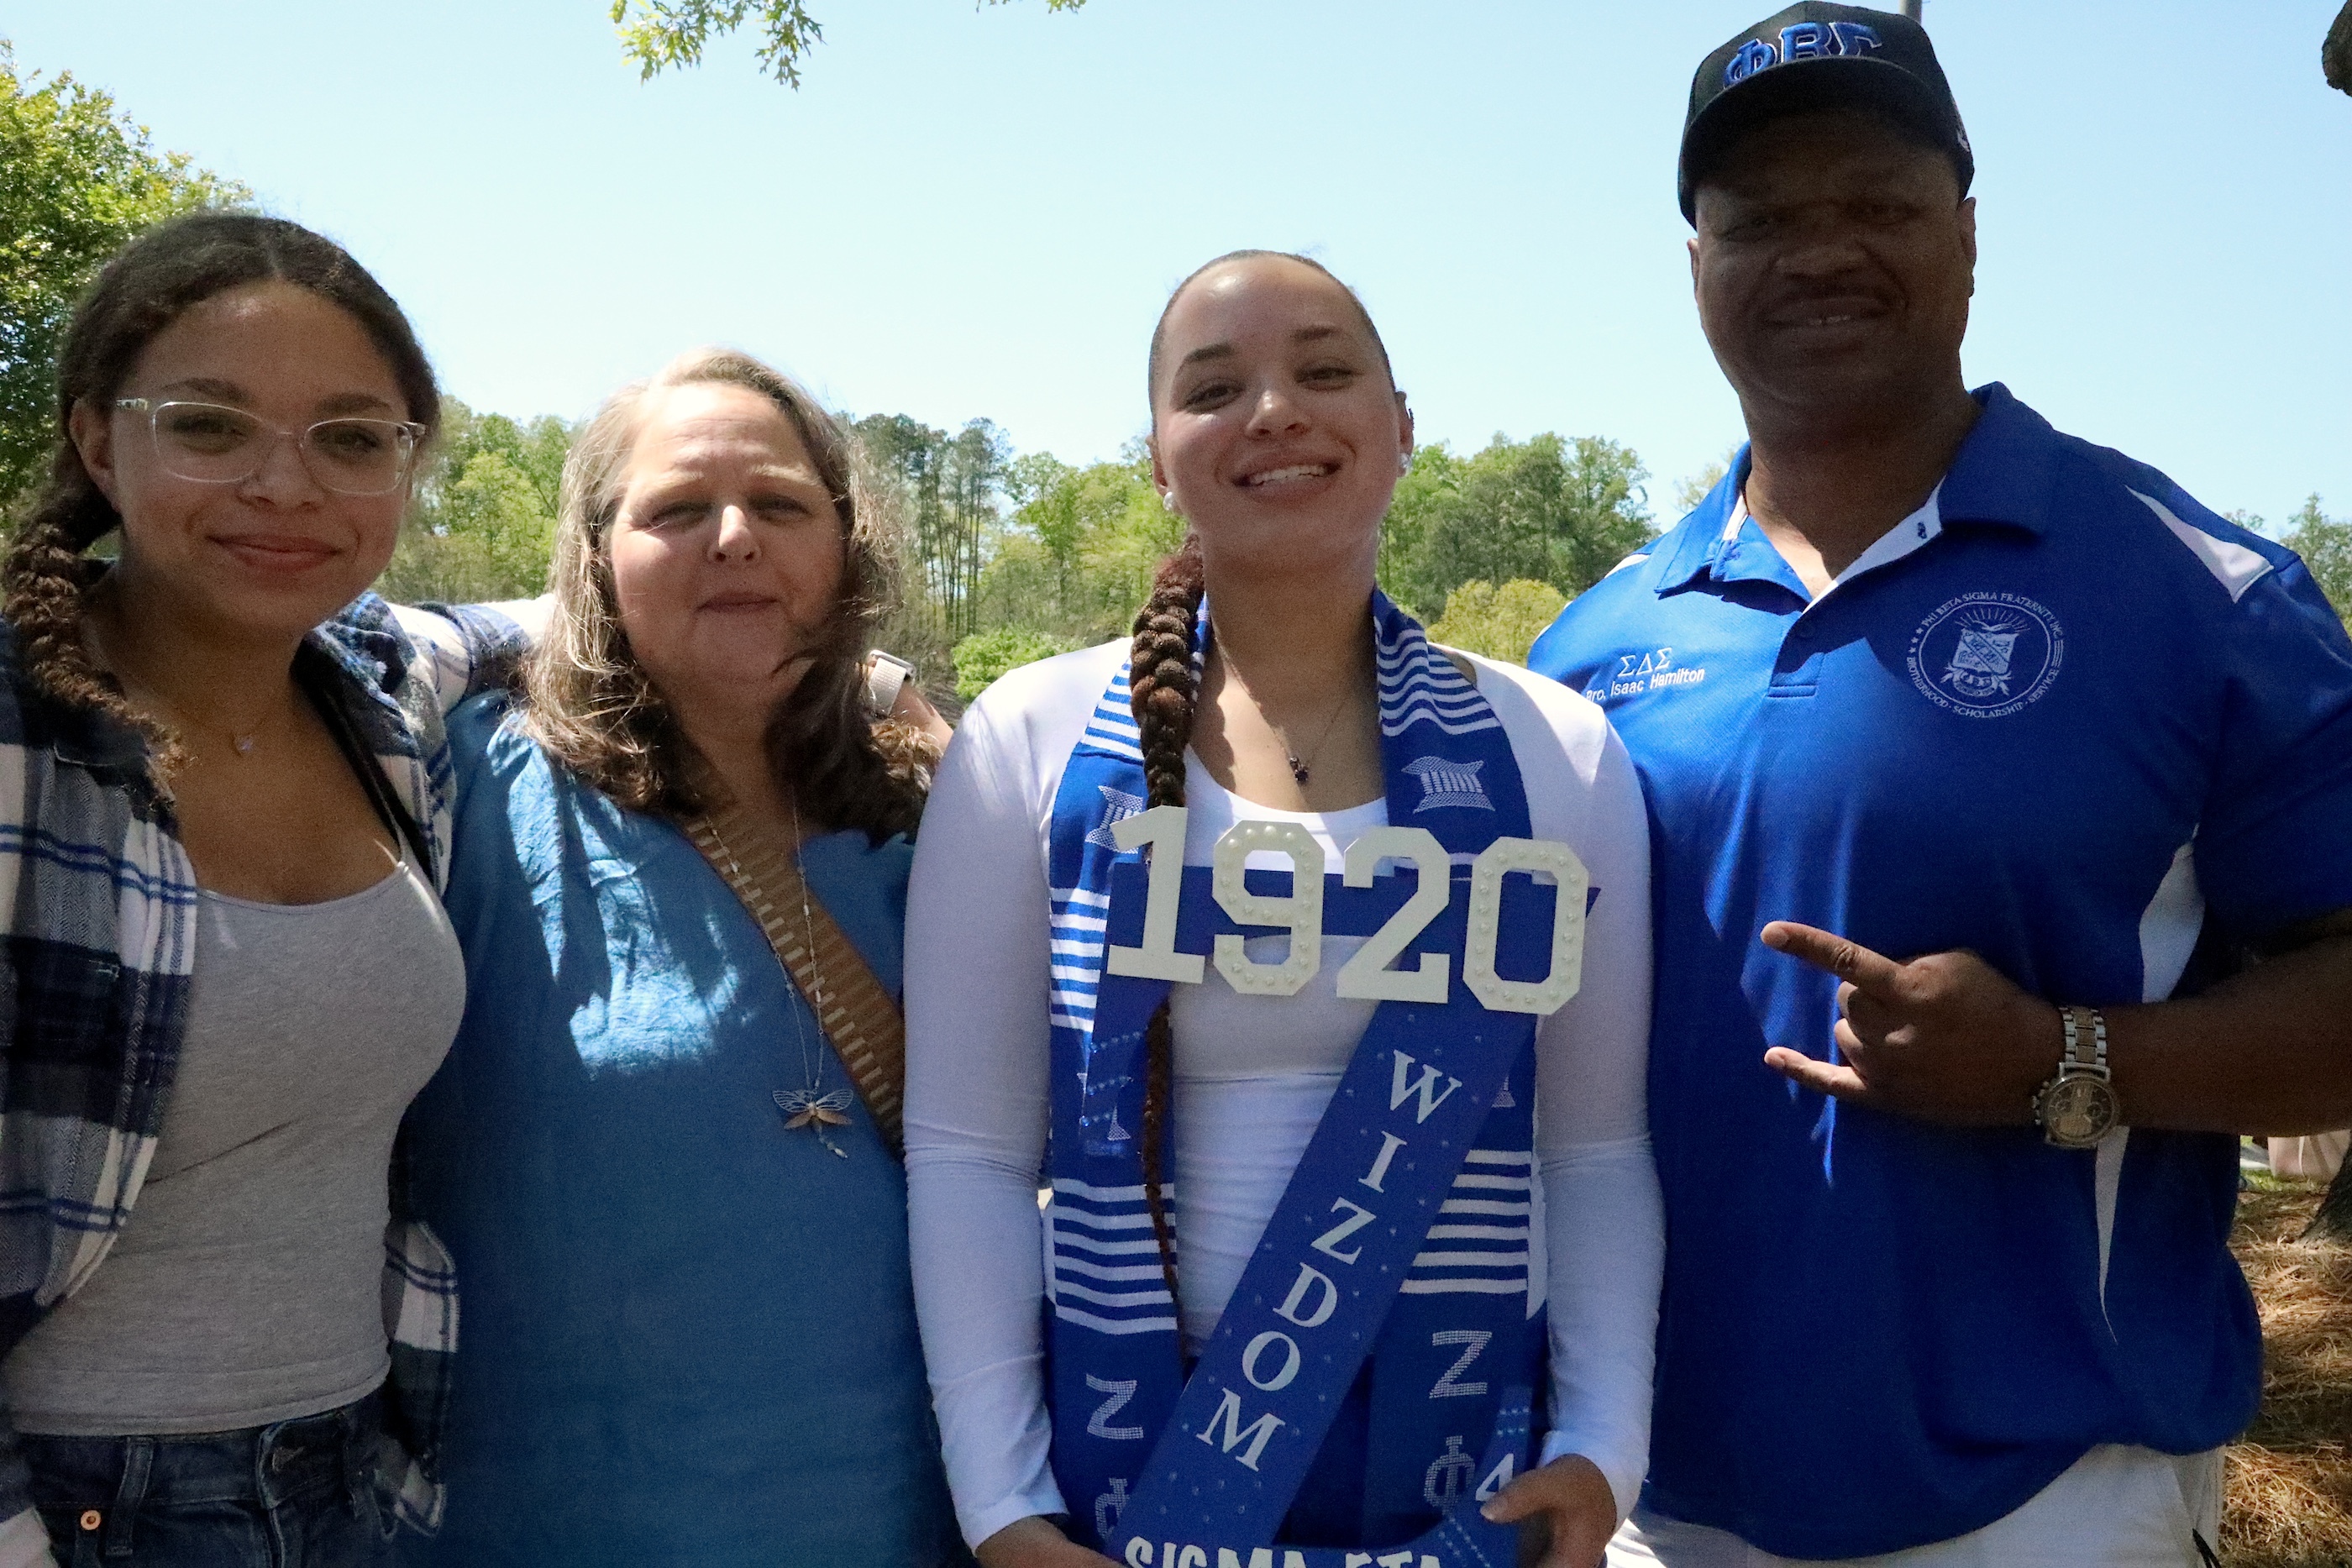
<point>887,675</point>
<point>2086,1042</point>
<point>2076,1109</point>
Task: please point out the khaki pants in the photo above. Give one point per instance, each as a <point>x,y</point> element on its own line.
<point>2317,1158</point>
<point>2117,1508</point>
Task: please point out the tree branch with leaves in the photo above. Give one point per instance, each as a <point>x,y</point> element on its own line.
<point>659,33</point>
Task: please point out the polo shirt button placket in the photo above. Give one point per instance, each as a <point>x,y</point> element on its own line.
<point>1798,670</point>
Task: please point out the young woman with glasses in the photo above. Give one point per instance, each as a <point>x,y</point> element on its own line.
<point>226,969</point>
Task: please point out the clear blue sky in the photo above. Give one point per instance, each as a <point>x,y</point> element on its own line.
<point>977,212</point>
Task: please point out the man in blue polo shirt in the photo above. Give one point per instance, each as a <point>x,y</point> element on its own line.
<point>2001,801</point>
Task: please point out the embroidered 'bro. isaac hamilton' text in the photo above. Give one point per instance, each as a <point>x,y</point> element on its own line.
<point>1653,671</point>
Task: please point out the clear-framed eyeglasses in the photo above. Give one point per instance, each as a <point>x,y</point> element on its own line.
<point>215,445</point>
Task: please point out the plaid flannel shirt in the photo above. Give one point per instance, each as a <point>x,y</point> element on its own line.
<point>101,903</point>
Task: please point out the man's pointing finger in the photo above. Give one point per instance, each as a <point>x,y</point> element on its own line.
<point>1871,972</point>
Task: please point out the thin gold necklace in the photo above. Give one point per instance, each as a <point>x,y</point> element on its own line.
<point>241,742</point>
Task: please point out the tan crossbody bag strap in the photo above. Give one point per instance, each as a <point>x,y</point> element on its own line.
<point>864,1025</point>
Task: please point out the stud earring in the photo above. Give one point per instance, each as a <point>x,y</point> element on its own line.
<point>1168,501</point>
<point>1405,462</point>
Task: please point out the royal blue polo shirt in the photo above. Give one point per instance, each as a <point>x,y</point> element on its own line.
<point>2066,717</point>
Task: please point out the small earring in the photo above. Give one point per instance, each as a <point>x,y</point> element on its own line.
<point>1168,502</point>
<point>1405,462</point>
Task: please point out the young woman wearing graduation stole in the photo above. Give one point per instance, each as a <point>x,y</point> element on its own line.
<point>1307,966</point>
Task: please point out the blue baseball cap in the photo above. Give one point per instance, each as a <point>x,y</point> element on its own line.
<point>1815,56</point>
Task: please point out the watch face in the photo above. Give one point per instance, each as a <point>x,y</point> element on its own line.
<point>2077,1111</point>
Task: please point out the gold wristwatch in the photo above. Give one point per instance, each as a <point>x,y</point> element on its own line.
<point>2078,1106</point>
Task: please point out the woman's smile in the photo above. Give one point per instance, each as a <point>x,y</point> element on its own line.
<point>277,553</point>
<point>1287,475</point>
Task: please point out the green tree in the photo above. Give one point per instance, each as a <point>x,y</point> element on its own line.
<point>1696,487</point>
<point>1500,623</point>
<point>659,33</point>
<point>1076,557</point>
<point>971,479</point>
<point>2325,546</point>
<point>1550,509</point>
<point>1426,490</point>
<point>483,523</point>
<point>983,656</point>
<point>1053,556</point>
<point>76,181</point>
<point>947,489</point>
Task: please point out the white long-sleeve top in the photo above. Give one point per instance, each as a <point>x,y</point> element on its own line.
<point>1252,1075</point>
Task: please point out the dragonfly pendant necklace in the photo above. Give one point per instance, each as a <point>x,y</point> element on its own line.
<point>812,1105</point>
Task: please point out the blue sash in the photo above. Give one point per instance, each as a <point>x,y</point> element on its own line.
<point>1372,1371</point>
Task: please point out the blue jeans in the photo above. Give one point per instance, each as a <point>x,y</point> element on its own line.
<point>296,1494</point>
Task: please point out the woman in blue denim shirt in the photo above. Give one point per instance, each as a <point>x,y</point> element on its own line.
<point>226,970</point>
<point>680,1219</point>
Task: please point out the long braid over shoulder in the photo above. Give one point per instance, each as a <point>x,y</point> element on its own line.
<point>1163,695</point>
<point>46,575</point>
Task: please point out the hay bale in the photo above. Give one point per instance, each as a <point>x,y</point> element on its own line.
<point>2287,1510</point>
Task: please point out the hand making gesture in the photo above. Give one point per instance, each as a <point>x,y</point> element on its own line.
<point>1945,1037</point>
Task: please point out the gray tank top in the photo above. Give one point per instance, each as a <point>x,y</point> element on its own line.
<point>246,1287</point>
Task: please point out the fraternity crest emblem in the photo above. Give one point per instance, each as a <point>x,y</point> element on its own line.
<point>1987,655</point>
<point>1446,783</point>
<point>1117,807</point>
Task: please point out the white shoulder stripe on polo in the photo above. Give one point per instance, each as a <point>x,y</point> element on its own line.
<point>2234,566</point>
<point>1637,559</point>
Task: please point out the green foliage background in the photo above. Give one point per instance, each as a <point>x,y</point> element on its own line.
<point>76,181</point>
<point>482,526</point>
<point>656,35</point>
<point>2326,545</point>
<point>1012,557</point>
<point>1500,623</point>
<point>983,656</point>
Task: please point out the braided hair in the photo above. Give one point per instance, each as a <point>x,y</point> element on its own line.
<point>149,284</point>
<point>1164,694</point>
